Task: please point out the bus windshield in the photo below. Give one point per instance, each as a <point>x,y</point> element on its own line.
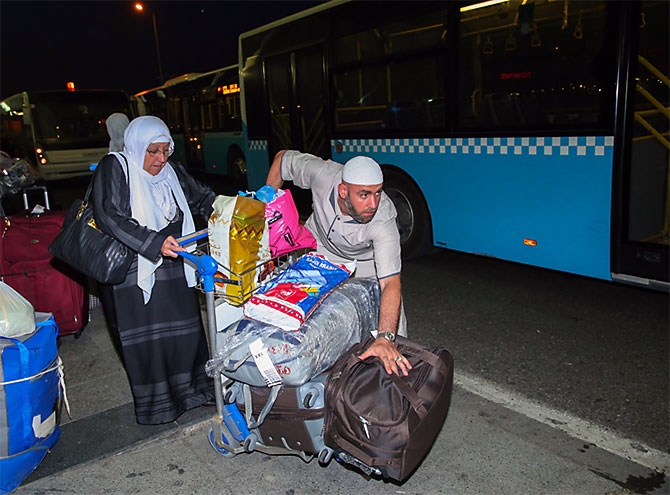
<point>65,119</point>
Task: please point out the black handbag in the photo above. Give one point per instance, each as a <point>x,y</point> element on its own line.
<point>82,245</point>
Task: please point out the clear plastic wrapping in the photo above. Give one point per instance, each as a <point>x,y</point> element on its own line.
<point>15,174</point>
<point>346,315</point>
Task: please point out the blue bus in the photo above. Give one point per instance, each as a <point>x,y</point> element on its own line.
<point>533,132</point>
<point>203,113</point>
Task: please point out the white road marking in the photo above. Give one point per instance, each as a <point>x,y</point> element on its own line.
<point>572,425</point>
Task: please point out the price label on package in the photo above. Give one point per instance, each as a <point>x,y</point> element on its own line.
<point>264,363</point>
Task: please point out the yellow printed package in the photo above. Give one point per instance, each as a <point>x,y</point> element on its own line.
<point>238,241</point>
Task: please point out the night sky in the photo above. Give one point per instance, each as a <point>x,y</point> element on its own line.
<point>107,44</point>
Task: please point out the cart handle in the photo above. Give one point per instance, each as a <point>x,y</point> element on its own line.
<point>206,267</point>
<point>195,236</point>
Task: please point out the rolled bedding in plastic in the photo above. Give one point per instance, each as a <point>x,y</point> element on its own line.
<point>261,354</point>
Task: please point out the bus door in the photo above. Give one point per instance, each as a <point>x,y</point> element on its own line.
<point>297,110</point>
<point>193,132</point>
<point>296,102</point>
<point>643,214</point>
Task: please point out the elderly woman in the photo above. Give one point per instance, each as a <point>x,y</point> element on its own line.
<point>155,313</point>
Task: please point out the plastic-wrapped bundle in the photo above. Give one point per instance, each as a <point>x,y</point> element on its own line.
<point>15,174</point>
<point>260,354</point>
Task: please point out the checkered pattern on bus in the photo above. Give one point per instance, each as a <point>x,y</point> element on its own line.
<point>566,146</point>
<point>258,145</point>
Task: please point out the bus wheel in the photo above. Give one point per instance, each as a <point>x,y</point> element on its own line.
<point>413,218</point>
<point>238,171</point>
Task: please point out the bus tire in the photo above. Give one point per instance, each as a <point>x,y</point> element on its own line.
<point>413,218</point>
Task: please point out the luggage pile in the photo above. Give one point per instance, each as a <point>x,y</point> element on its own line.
<point>31,388</point>
<point>283,388</point>
<point>27,266</point>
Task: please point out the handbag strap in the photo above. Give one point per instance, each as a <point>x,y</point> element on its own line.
<point>406,345</point>
<point>410,394</point>
<point>125,160</point>
<point>122,160</point>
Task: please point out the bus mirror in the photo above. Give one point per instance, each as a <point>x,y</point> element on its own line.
<point>27,114</point>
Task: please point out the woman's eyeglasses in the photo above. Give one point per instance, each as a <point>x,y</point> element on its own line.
<point>155,153</point>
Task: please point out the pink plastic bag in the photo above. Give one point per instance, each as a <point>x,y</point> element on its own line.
<point>286,232</point>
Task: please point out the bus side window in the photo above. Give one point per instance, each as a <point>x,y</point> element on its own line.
<point>546,77</point>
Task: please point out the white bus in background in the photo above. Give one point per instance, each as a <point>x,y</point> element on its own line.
<point>60,133</point>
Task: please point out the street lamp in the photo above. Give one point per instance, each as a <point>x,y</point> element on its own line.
<point>140,8</point>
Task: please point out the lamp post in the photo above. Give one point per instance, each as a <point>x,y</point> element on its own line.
<point>140,8</point>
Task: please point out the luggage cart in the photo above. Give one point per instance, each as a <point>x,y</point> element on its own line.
<point>229,433</point>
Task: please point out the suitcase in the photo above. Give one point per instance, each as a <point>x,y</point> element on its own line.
<point>35,195</point>
<point>386,424</point>
<point>30,401</point>
<point>26,200</point>
<point>27,266</point>
<point>293,423</point>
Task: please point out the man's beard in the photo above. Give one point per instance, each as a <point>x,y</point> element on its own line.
<point>355,215</point>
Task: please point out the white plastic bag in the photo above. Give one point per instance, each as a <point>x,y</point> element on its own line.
<point>17,315</point>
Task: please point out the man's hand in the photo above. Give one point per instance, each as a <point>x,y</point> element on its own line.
<point>394,362</point>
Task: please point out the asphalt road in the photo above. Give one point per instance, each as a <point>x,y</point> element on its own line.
<point>595,349</point>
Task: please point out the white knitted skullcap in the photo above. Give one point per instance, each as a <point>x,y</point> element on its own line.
<point>362,171</point>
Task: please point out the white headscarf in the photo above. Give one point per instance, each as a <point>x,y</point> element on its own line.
<point>152,197</point>
<point>116,125</point>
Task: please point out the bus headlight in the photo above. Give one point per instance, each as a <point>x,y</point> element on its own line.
<point>41,155</point>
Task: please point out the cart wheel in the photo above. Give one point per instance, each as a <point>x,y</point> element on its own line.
<point>325,456</point>
<point>250,442</point>
<point>220,450</point>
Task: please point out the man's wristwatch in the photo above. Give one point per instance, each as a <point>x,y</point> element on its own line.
<point>390,336</point>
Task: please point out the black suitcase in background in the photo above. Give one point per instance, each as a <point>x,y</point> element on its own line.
<point>25,201</point>
<point>35,196</point>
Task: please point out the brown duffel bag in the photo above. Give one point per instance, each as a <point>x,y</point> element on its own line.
<point>386,424</point>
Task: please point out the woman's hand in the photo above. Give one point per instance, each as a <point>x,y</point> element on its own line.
<point>394,362</point>
<point>170,247</point>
